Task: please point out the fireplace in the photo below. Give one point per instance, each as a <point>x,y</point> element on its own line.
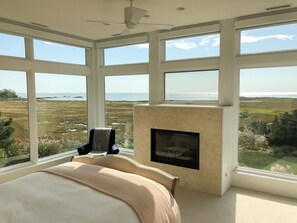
<point>177,148</point>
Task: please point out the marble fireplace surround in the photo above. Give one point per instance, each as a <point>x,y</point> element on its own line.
<point>214,124</point>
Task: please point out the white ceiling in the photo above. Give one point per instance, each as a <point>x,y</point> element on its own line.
<point>70,16</point>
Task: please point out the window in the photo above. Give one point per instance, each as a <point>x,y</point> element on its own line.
<point>121,94</point>
<point>268,39</point>
<point>131,54</point>
<point>12,45</point>
<point>268,119</point>
<point>61,113</point>
<point>193,47</point>
<point>49,51</point>
<point>14,122</point>
<point>192,85</point>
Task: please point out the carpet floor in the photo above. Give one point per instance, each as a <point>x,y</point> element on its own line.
<point>236,206</point>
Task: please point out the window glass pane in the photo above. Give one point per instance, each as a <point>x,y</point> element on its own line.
<point>121,94</point>
<point>268,39</point>
<point>268,119</point>
<point>12,45</point>
<point>193,47</point>
<point>50,51</point>
<point>14,125</point>
<point>194,85</point>
<point>61,113</point>
<point>137,53</point>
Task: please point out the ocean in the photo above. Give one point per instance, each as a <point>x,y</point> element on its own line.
<point>145,97</point>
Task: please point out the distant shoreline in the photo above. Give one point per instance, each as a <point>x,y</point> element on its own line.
<point>212,96</point>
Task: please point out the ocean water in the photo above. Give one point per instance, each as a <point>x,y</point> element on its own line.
<point>145,97</point>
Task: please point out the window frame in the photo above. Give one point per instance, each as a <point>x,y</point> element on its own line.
<point>191,101</point>
<point>13,56</point>
<point>264,26</point>
<point>190,36</point>
<point>59,44</point>
<point>260,60</point>
<point>29,65</point>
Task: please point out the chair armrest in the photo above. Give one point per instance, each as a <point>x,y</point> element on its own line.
<point>114,149</point>
<point>83,150</point>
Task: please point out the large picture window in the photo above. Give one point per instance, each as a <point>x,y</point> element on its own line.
<point>61,113</point>
<point>14,122</point>
<point>121,94</point>
<point>268,119</point>
<point>192,85</point>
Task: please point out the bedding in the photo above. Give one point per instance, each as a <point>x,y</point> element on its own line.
<point>84,191</point>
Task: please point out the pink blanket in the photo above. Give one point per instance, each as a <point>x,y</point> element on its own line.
<point>149,199</point>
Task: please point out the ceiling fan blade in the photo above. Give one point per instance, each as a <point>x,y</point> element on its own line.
<point>158,26</point>
<point>125,31</point>
<point>133,15</point>
<point>106,22</point>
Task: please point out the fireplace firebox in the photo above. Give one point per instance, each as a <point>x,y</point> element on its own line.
<point>177,148</point>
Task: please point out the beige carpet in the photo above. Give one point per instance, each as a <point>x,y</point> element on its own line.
<point>236,206</point>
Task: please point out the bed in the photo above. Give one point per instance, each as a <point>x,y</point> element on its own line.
<point>111,188</point>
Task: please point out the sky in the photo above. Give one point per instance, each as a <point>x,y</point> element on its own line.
<point>276,38</point>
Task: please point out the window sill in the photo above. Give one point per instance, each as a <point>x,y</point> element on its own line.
<point>22,169</point>
<point>264,173</point>
<point>265,181</point>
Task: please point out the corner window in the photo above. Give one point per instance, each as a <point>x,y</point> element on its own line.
<point>61,113</point>
<point>268,119</point>
<point>192,85</point>
<point>121,94</point>
<point>268,39</point>
<point>14,121</point>
<point>201,46</point>
<point>130,54</point>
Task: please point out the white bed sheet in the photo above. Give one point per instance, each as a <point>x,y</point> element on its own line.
<point>48,198</point>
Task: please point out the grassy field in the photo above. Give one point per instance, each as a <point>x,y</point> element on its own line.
<point>67,120</point>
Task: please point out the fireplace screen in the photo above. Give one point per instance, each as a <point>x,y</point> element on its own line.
<point>175,148</point>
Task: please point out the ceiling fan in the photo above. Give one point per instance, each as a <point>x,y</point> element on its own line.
<point>132,17</point>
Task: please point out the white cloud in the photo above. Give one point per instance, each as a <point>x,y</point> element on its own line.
<point>181,44</point>
<point>52,44</point>
<point>216,41</point>
<point>212,40</point>
<point>252,39</point>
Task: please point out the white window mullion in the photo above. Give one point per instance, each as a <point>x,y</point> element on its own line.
<point>32,103</point>
<point>229,81</point>
<point>32,116</point>
<point>100,82</point>
<point>156,79</point>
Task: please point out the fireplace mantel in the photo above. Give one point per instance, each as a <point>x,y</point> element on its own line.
<point>213,123</point>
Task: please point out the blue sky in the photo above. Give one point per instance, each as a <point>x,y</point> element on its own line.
<point>267,39</point>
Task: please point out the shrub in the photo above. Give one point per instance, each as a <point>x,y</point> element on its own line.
<point>48,147</point>
<point>7,93</point>
<point>248,140</point>
<point>284,130</point>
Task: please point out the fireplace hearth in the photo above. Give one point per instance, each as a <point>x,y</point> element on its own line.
<point>177,148</point>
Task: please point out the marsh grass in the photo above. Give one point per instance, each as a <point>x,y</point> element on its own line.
<point>119,115</point>
<point>63,125</point>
